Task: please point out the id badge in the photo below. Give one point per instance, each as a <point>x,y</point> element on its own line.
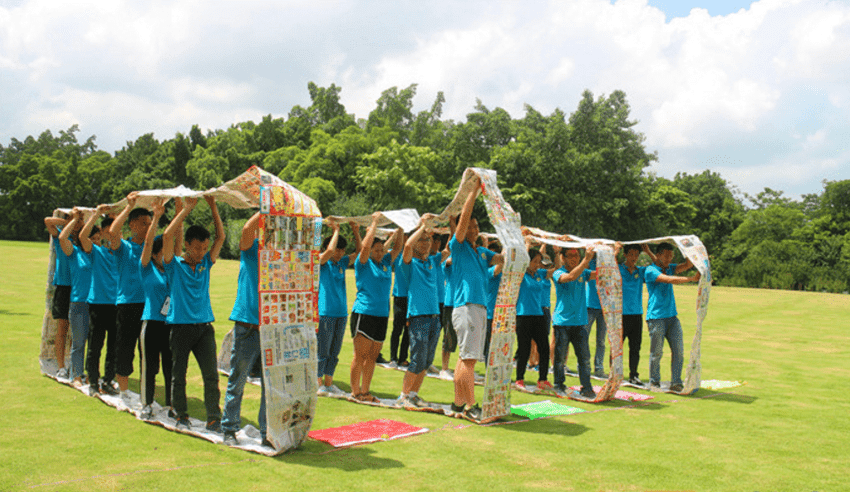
<point>165,306</point>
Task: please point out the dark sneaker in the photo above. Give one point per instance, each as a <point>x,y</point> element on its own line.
<point>106,388</point>
<point>183,424</point>
<point>416,401</point>
<point>677,388</point>
<point>457,408</point>
<point>172,414</point>
<point>654,387</point>
<point>473,413</point>
<point>600,374</point>
<point>230,439</point>
<point>635,381</point>
<point>147,413</point>
<point>381,360</point>
<point>214,425</point>
<point>588,393</point>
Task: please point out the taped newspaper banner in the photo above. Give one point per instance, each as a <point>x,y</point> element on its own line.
<point>406,218</point>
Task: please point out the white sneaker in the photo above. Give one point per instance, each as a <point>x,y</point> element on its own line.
<point>323,391</point>
<point>392,365</point>
<point>334,390</point>
<point>444,374</point>
<point>62,373</point>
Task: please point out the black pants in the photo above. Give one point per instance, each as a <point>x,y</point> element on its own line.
<point>400,330</point>
<point>102,318</point>
<point>129,328</point>
<point>633,330</point>
<point>156,343</point>
<point>198,339</point>
<point>530,328</point>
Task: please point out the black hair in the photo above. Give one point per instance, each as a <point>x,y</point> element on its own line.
<point>630,247</point>
<point>664,247</point>
<point>341,243</point>
<point>495,247</point>
<point>139,212</point>
<point>157,245</point>
<point>533,253</point>
<point>105,223</point>
<point>196,233</point>
<point>442,239</point>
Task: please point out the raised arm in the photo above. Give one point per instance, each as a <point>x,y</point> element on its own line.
<point>53,224</point>
<point>398,244</point>
<point>158,210</point>
<point>85,240</point>
<point>577,271</point>
<point>498,267</point>
<point>370,237</point>
<point>358,241</point>
<point>411,242</point>
<point>556,263</point>
<point>219,229</point>
<point>178,235</point>
<point>64,241</point>
<point>645,248</point>
<point>176,225</point>
<point>675,279</point>
<point>329,251</point>
<point>249,232</point>
<point>118,223</point>
<point>681,267</point>
<point>466,215</point>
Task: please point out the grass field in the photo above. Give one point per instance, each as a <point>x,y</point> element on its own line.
<point>786,429</point>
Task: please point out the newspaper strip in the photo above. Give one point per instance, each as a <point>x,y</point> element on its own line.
<point>609,285</point>
<point>406,218</point>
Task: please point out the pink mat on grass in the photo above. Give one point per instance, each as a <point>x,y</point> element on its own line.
<point>620,395</point>
<point>366,432</point>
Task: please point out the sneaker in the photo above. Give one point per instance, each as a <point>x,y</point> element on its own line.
<point>600,374</point>
<point>457,408</point>
<point>183,423</point>
<point>654,386</point>
<point>635,381</point>
<point>392,365</point>
<point>323,391</point>
<point>380,359</point>
<point>433,370</point>
<point>403,363</point>
<point>147,413</point>
<point>520,385</point>
<point>677,388</point>
<point>406,402</point>
<point>416,401</point>
<point>171,413</point>
<point>230,438</point>
<point>561,388</point>
<point>544,386</point>
<point>588,393</point>
<point>473,413</point>
<point>106,388</point>
<point>214,425</point>
<point>62,373</point>
<point>332,389</point>
<point>445,374</point>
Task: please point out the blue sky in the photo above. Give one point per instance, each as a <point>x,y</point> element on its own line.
<point>756,91</point>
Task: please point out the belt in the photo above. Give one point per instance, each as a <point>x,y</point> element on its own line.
<point>248,325</point>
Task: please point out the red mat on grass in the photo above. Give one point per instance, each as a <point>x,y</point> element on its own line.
<point>366,432</point>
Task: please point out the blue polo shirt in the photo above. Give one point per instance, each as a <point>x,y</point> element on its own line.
<point>592,298</point>
<point>373,286</point>
<point>155,288</point>
<point>62,266</point>
<point>448,287</point>
<point>493,282</point>
<point>332,294</point>
<point>469,266</point>
<point>421,276</point>
<point>632,289</point>
<point>80,265</point>
<point>530,294</point>
<point>246,309</point>
<point>190,292</point>
<point>661,302</point>
<point>401,284</point>
<point>570,301</point>
<point>104,275</point>
<point>128,256</point>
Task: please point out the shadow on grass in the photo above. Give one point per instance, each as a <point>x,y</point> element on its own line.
<point>723,396</point>
<point>545,426</point>
<point>6,312</point>
<point>355,458</point>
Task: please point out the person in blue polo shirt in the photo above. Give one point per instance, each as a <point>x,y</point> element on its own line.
<point>61,294</point>
<point>469,315</point>
<point>131,296</point>
<point>190,312</point>
<point>373,274</point>
<point>632,280</point>
<point>570,317</point>
<point>245,352</point>
<point>421,271</point>
<point>531,321</point>
<point>155,333</point>
<point>662,317</point>
<point>333,304</point>
<point>78,308</point>
<point>102,296</point>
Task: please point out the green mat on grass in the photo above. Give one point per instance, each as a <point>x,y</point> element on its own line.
<point>544,408</point>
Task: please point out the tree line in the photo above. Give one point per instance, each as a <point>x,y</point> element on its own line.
<point>585,173</point>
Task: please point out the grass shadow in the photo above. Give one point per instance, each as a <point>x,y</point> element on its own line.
<point>6,312</point>
<point>550,425</point>
<point>730,397</point>
<point>351,459</point>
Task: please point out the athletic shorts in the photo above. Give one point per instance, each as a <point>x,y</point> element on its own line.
<point>470,322</point>
<point>372,327</point>
<point>61,302</point>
